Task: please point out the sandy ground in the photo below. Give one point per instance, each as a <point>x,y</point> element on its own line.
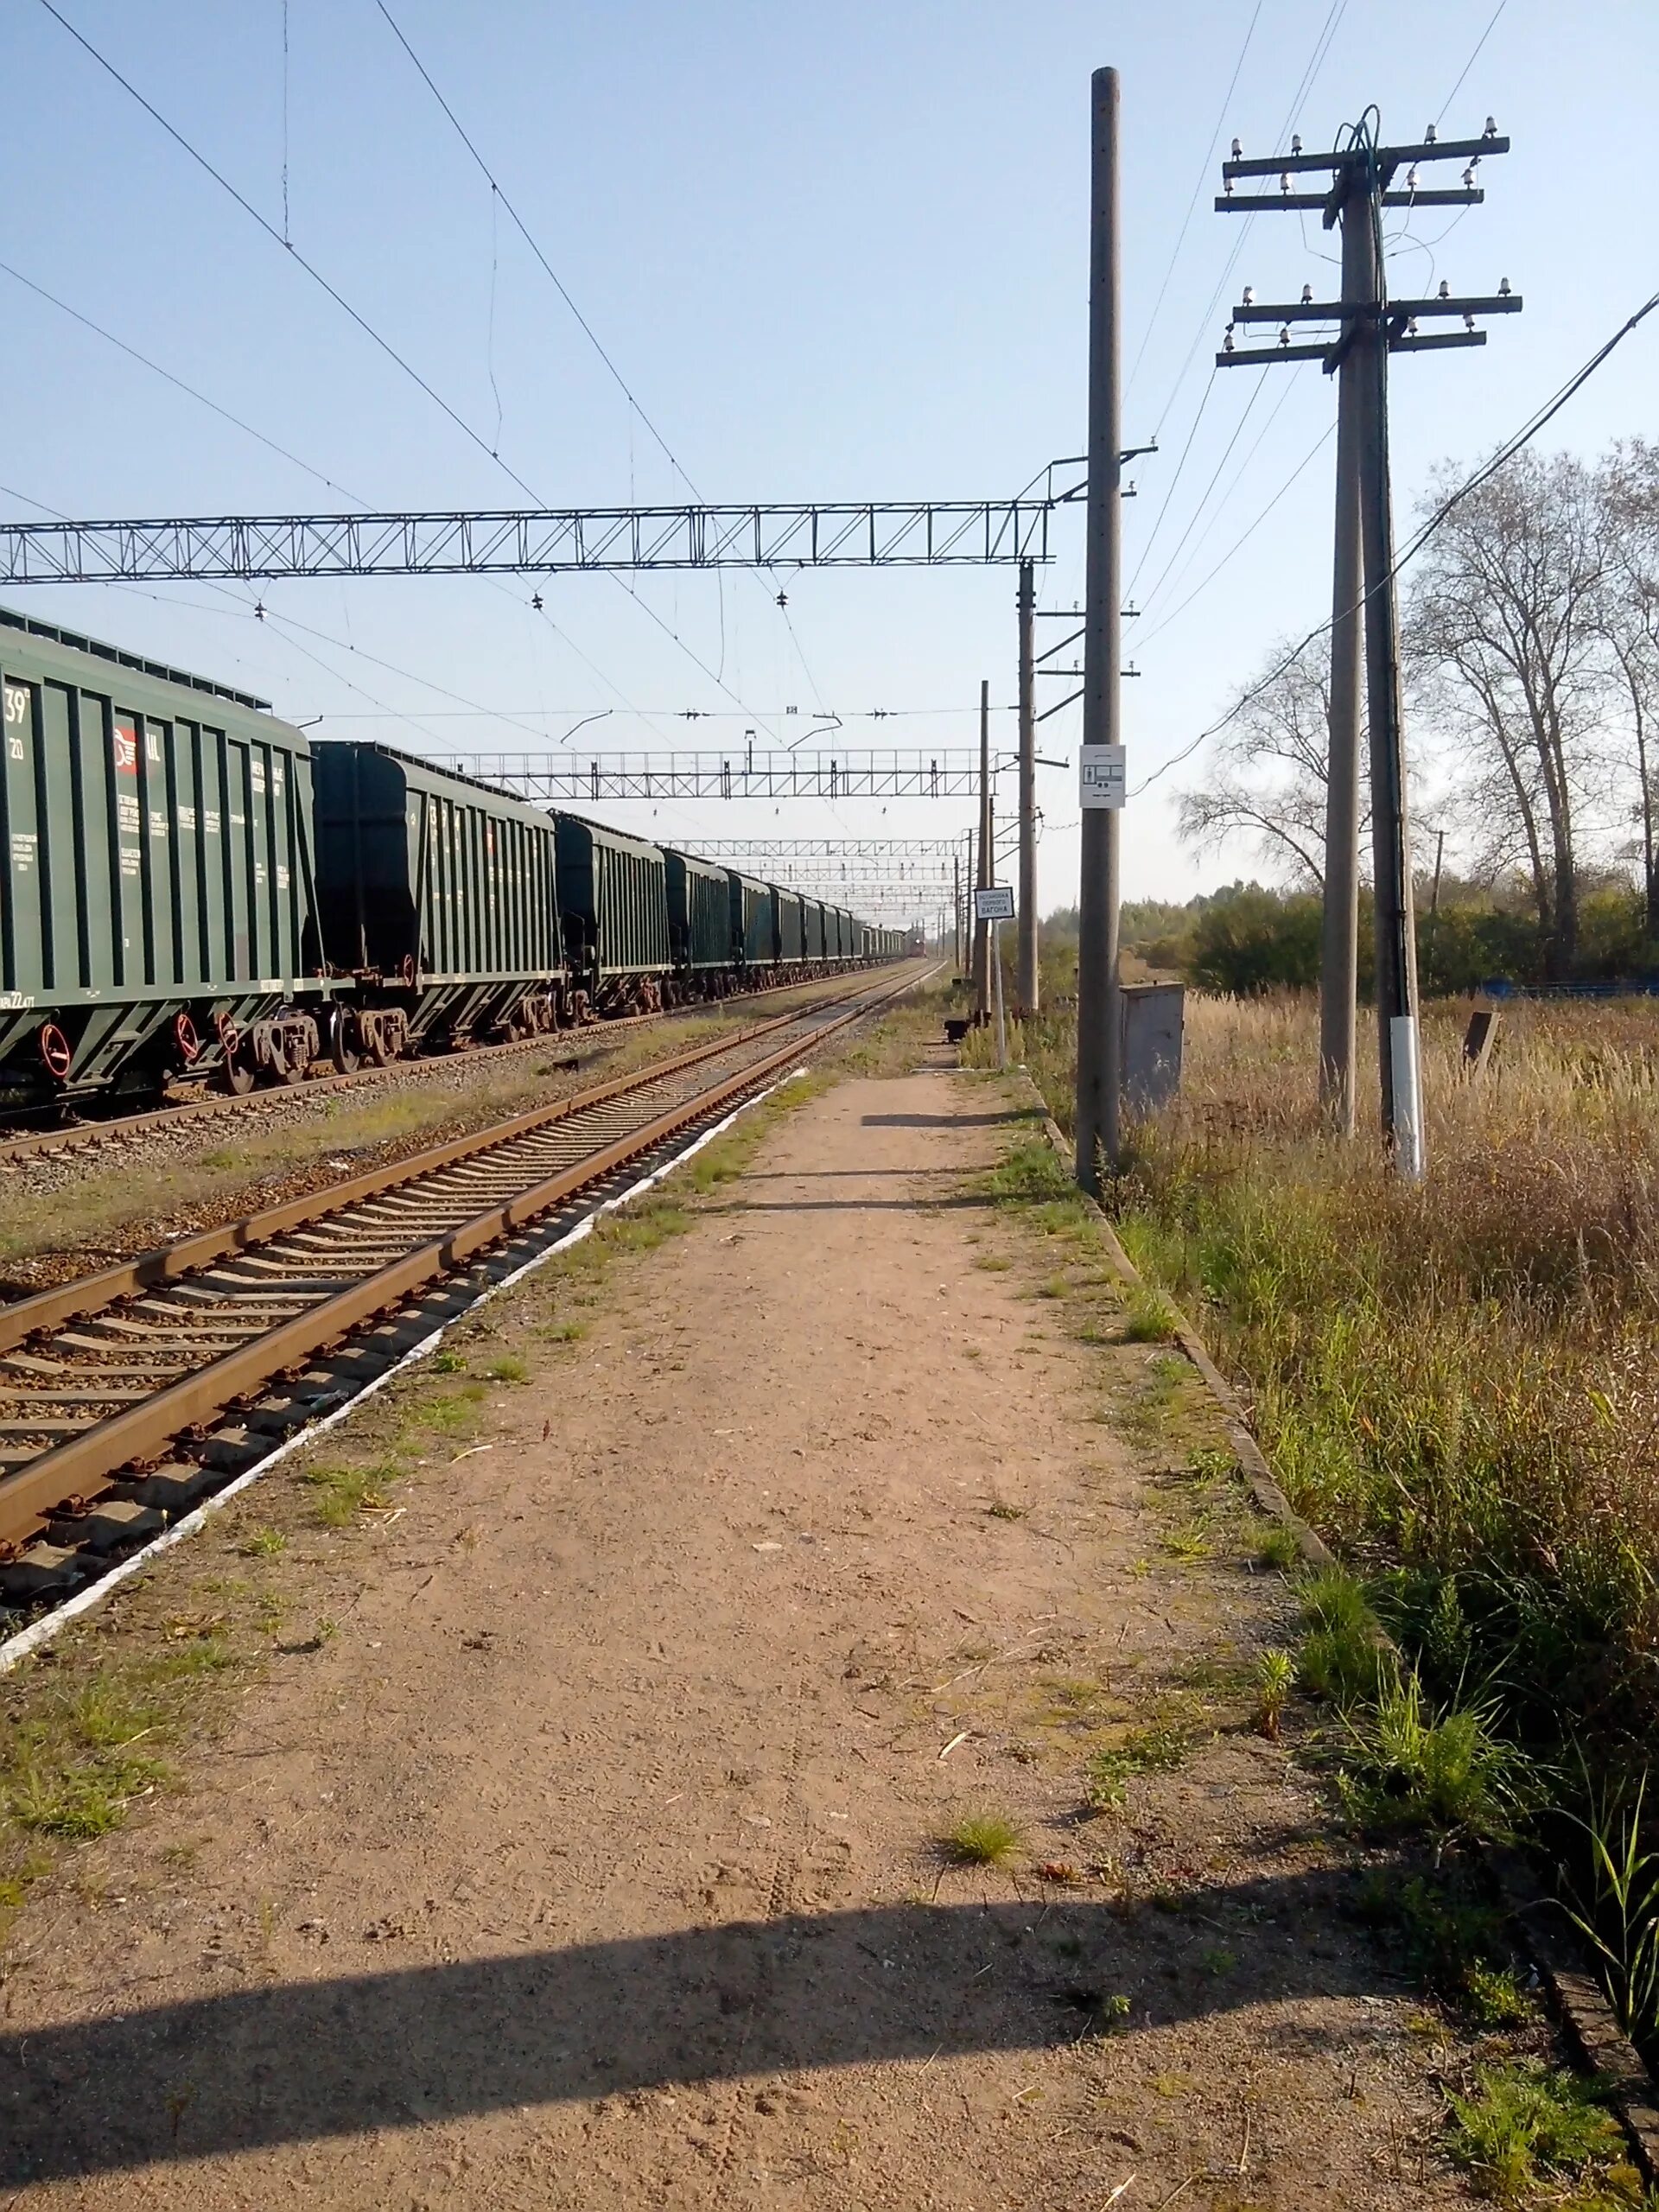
<point>595,1860</point>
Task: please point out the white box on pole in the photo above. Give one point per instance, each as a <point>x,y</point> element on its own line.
<point>994,905</point>
<point>1102,774</point>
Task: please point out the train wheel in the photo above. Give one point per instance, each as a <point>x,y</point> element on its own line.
<point>344,1048</point>
<point>376,1047</point>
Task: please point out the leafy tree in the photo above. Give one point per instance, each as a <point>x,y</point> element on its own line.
<point>1265,779</point>
<point>1250,940</point>
<point>1506,630</point>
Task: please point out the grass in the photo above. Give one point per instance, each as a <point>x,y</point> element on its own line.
<point>1149,1316</point>
<point>1159,1748</point>
<point>982,1839</point>
<point>80,1744</point>
<point>343,1492</point>
<point>1441,1924</point>
<point>1273,1544</point>
<point>1275,1678</point>
<point>1444,1767</point>
<point>1457,1385</point>
<point>1522,2125</point>
<point>507,1368</point>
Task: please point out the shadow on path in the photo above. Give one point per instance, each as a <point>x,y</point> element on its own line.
<point>296,2062</point>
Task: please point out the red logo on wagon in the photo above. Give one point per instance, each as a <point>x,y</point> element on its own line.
<point>126,749</point>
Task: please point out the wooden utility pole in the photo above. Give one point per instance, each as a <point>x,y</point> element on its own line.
<point>1025,985</point>
<point>956,909</point>
<point>1099,1006</point>
<point>1370,328</point>
<point>1339,947</point>
<point>985,874</point>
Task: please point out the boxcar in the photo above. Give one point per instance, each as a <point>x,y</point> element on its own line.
<point>436,896</point>
<point>792,927</point>
<point>699,922</point>
<point>753,922</point>
<point>815,915</point>
<point>614,910</point>
<point>157,834</point>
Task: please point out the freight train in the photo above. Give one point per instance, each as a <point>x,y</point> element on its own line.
<point>194,890</point>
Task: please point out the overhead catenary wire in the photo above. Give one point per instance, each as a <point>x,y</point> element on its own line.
<point>383,343</point>
<point>500,195</point>
<point>167,377</point>
<point>1513,445</point>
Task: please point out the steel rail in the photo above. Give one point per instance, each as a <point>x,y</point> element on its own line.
<point>168,1263</point>
<point>95,1457</point>
<point>22,1144</point>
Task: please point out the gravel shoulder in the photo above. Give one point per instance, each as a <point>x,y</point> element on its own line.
<point>571,1824</point>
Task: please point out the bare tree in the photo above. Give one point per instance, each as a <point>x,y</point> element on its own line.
<point>1630,486</point>
<point>1265,777</point>
<point>1505,628</point>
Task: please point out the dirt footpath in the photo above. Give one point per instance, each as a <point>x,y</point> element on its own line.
<point>601,1858</point>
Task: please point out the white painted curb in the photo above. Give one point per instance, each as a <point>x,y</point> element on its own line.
<point>42,1632</point>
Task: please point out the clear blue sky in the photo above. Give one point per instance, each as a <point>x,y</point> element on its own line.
<point>837,250</point>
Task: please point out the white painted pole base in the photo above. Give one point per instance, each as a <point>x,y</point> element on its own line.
<point>1409,1160</point>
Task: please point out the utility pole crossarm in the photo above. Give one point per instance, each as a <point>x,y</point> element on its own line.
<point>1316,203</point>
<point>1435,149</point>
<point>1334,311</point>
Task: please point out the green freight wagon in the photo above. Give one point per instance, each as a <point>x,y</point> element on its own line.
<point>614,910</point>
<point>699,922</point>
<point>753,922</point>
<point>158,882</point>
<point>792,927</point>
<point>817,932</point>
<point>437,898</point>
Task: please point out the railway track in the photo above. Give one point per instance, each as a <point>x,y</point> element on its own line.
<point>95,1134</point>
<point>131,1394</point>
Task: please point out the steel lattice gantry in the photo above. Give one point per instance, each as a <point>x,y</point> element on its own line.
<point>876,773</point>
<point>884,851</point>
<point>536,541</point>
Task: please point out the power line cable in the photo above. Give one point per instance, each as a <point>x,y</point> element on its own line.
<point>553,276</point>
<point>1318,445</point>
<point>1545,414</point>
<point>1214,477</point>
<point>1479,44</point>
<point>1192,205</point>
<point>1158,520</point>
